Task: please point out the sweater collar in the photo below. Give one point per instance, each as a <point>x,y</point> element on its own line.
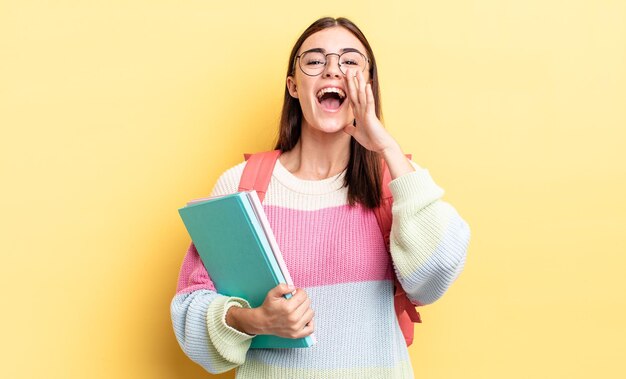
<point>312,187</point>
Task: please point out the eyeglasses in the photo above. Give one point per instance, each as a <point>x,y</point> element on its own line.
<point>312,62</point>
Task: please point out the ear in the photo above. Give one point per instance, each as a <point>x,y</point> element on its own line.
<point>291,87</point>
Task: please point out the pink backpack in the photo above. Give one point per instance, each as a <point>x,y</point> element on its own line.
<point>257,175</point>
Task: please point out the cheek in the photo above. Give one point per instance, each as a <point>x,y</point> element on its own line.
<point>307,103</point>
<point>307,107</point>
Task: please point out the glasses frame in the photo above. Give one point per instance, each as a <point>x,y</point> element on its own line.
<point>297,59</point>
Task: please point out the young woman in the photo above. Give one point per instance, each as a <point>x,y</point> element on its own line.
<point>320,203</point>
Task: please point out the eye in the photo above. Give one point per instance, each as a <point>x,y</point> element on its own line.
<point>314,62</point>
<point>313,59</point>
<point>350,62</point>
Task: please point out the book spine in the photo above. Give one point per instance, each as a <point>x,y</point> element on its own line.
<point>256,202</point>
<point>262,238</point>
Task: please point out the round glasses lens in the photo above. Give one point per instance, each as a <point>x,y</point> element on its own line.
<point>352,60</point>
<point>312,62</point>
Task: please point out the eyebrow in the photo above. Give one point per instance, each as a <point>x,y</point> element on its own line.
<point>321,50</point>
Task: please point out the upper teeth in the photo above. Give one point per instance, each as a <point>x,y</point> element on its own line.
<point>338,91</point>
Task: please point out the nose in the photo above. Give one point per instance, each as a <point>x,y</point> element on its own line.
<point>332,67</point>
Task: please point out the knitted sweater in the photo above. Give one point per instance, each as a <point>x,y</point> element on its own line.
<point>336,253</point>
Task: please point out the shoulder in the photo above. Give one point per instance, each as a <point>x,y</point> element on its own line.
<point>228,182</point>
<point>233,172</point>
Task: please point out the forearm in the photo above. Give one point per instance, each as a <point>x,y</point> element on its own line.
<point>397,162</point>
<point>203,336</point>
<point>198,314</point>
<point>431,258</point>
<point>429,239</point>
<point>242,319</point>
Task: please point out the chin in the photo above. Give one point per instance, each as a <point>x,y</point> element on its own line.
<point>331,126</point>
<point>330,123</point>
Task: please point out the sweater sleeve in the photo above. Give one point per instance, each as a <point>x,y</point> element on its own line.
<point>428,239</point>
<point>199,313</point>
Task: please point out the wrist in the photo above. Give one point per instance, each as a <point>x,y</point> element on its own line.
<point>396,161</point>
<point>241,319</point>
<point>391,149</point>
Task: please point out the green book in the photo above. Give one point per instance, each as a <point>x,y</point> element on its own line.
<point>231,235</point>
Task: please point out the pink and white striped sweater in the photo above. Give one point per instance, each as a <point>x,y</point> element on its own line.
<point>337,254</point>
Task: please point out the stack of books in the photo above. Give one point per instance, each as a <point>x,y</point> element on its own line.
<point>238,248</point>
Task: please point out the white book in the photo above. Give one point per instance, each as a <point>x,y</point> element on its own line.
<point>265,224</point>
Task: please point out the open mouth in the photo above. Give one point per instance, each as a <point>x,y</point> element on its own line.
<point>331,98</point>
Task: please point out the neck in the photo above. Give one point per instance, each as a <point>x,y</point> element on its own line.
<point>318,155</point>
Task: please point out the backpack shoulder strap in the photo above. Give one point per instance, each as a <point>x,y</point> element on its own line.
<point>257,172</point>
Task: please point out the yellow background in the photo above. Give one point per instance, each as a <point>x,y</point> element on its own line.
<point>115,113</point>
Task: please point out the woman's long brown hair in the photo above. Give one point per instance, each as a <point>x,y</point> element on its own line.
<point>364,167</point>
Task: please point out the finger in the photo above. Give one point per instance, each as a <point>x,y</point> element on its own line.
<point>307,330</point>
<point>306,318</point>
<point>370,97</point>
<point>352,91</point>
<point>312,322</point>
<point>361,91</point>
<point>296,300</point>
<point>299,312</point>
<point>281,290</point>
<point>310,327</point>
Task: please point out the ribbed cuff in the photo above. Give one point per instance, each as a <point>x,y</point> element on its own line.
<point>220,333</point>
<point>416,187</point>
